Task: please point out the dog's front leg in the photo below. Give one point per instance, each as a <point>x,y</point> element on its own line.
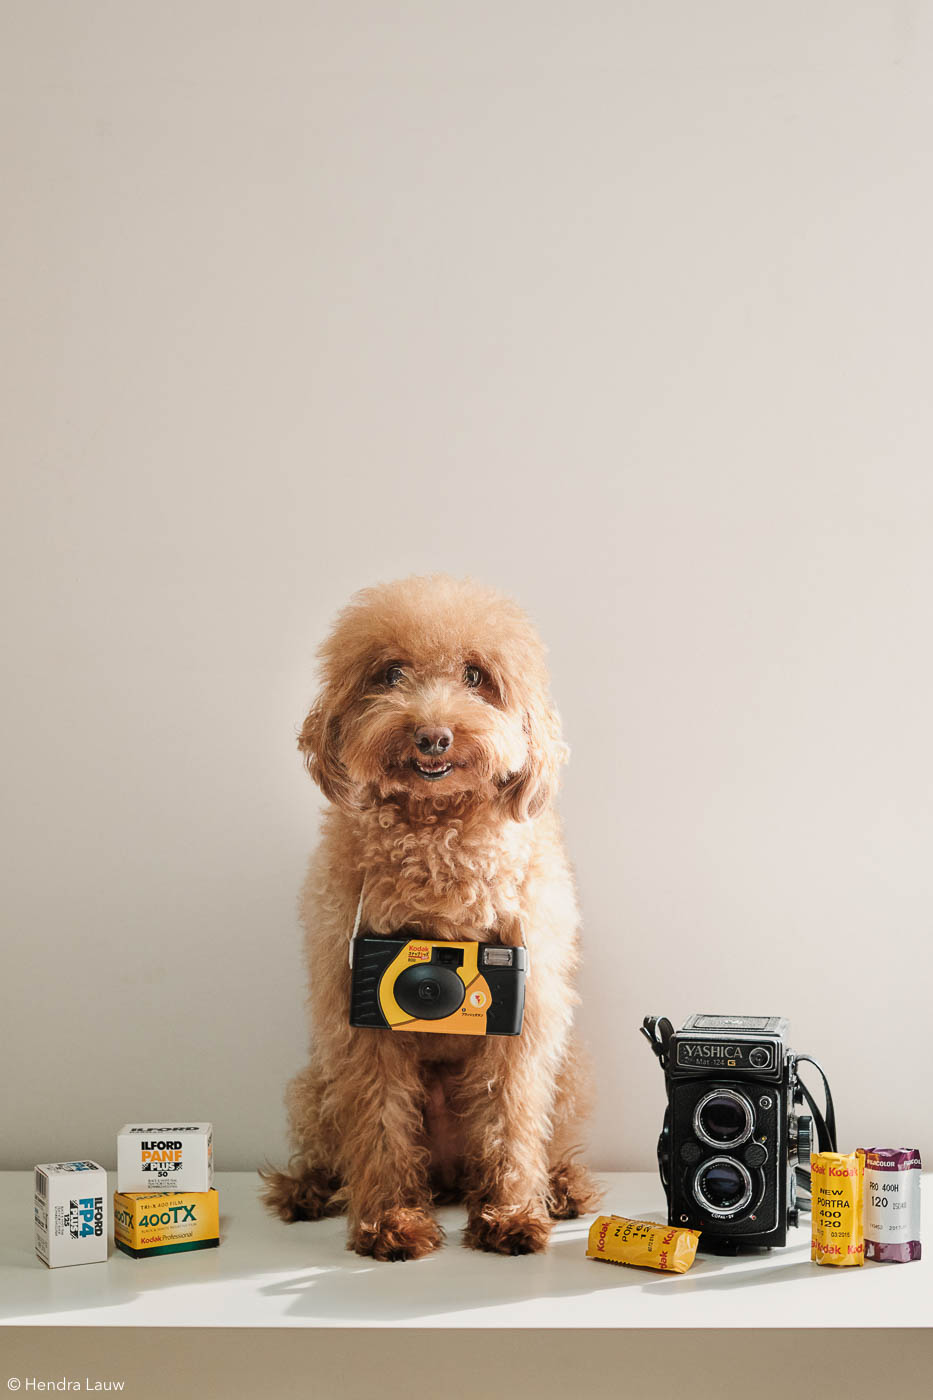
<point>384,1157</point>
<point>504,1097</point>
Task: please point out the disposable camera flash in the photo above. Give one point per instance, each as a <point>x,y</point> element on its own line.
<point>497,957</point>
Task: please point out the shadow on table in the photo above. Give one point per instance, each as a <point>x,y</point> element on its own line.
<point>316,1280</point>
<point>378,1293</point>
<point>774,1272</point>
<point>72,1289</point>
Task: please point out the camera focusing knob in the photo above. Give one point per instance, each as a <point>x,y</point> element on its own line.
<point>804,1138</point>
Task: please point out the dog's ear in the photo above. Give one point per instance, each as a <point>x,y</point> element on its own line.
<point>527,792</point>
<point>319,741</point>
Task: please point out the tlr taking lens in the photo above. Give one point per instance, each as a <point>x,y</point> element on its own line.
<point>723,1186</point>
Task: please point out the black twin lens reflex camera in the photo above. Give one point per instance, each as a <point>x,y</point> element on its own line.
<point>733,1149</point>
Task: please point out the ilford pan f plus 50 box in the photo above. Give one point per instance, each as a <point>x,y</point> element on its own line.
<point>165,1157</point>
<point>165,1222</point>
<point>70,1214</point>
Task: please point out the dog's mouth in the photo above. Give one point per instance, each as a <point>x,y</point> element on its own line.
<point>432,770</point>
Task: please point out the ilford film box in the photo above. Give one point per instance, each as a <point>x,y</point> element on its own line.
<point>165,1157</point>
<point>71,1219</point>
<point>165,1222</point>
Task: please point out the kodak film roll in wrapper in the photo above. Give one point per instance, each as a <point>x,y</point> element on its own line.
<point>836,1212</point>
<point>642,1242</point>
<point>891,1211</point>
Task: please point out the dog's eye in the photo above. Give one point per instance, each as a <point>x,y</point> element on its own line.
<point>394,674</point>
<point>473,676</point>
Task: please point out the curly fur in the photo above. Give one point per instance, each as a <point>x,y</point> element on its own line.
<point>385,1124</point>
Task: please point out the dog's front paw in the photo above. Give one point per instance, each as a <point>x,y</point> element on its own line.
<point>571,1192</point>
<point>398,1234</point>
<point>308,1196</point>
<point>508,1230</point>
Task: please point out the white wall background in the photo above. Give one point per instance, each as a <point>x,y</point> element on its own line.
<point>625,307</point>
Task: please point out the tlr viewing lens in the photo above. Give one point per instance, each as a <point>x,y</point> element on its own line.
<point>724,1118</point>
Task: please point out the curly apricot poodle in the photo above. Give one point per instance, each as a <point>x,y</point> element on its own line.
<point>437,745</point>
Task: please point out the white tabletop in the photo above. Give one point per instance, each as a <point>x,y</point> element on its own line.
<point>266,1274</point>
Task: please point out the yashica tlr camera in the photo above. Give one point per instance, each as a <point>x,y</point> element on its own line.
<point>418,984</point>
<point>733,1150</point>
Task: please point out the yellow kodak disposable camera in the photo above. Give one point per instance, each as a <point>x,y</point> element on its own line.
<point>418,984</point>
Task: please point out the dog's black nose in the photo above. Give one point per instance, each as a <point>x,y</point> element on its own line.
<point>433,740</point>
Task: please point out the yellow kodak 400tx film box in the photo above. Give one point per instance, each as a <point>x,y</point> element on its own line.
<point>165,1222</point>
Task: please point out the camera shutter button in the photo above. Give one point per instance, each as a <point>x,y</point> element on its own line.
<point>756,1154</point>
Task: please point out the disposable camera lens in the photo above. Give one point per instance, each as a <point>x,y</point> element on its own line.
<point>429,991</point>
<point>724,1187</point>
<point>724,1119</point>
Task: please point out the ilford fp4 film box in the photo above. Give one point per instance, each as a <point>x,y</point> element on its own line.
<point>70,1213</point>
<point>165,1157</point>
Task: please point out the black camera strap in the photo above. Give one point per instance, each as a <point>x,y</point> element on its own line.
<point>658,1030</point>
<point>825,1125</point>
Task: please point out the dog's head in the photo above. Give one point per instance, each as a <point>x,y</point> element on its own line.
<point>432,688</point>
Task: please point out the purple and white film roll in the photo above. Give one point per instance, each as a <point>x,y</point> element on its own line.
<point>891,1203</point>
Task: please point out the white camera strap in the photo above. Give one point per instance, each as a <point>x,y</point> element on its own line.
<point>358,919</point>
<point>356,922</point>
